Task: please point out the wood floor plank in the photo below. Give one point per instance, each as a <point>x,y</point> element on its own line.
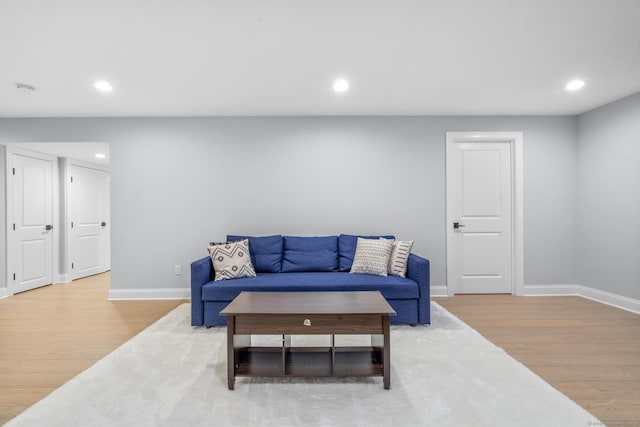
<point>587,350</point>
<point>51,334</point>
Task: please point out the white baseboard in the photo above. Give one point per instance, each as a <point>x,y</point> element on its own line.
<point>150,294</point>
<point>529,290</point>
<point>603,297</point>
<point>4,292</point>
<point>551,290</point>
<point>608,298</point>
<point>439,291</point>
<point>63,278</point>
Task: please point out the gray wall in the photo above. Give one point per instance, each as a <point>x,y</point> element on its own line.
<point>178,183</point>
<point>609,198</point>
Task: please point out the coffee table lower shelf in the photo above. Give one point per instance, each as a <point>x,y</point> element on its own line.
<point>309,362</point>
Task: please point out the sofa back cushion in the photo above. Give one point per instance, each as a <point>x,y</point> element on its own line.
<point>347,248</point>
<point>265,251</point>
<point>310,254</point>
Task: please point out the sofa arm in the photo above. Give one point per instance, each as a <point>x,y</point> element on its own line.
<point>201,273</point>
<point>418,270</point>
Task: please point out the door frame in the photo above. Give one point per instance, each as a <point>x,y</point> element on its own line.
<point>515,139</point>
<point>55,267</point>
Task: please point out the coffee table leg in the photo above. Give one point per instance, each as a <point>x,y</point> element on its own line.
<point>231,362</point>
<point>386,362</point>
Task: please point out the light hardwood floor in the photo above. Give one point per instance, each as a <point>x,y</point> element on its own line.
<point>587,350</point>
<point>51,334</point>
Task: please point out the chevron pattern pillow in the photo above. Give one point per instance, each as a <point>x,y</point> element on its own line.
<point>231,260</point>
<point>372,257</point>
<point>400,251</point>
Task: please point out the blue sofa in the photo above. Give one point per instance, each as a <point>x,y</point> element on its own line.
<point>292,263</point>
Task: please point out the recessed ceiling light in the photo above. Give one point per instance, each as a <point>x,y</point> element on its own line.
<point>103,86</point>
<point>340,85</point>
<point>101,156</point>
<point>575,85</point>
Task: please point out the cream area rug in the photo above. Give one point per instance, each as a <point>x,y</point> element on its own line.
<point>171,374</point>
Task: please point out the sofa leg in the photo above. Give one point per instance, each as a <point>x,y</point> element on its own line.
<point>209,327</point>
<point>413,325</point>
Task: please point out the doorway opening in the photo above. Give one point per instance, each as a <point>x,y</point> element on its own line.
<point>51,225</point>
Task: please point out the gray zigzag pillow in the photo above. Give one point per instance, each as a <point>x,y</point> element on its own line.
<point>231,260</point>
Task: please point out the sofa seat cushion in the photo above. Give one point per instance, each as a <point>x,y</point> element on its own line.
<point>391,287</point>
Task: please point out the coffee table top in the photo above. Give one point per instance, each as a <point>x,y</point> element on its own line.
<point>368,302</point>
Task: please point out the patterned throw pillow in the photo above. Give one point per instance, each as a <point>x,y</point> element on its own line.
<point>399,256</point>
<point>231,260</point>
<point>372,257</point>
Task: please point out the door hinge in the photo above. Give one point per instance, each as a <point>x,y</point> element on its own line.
<point>14,171</point>
<point>14,226</point>
<point>14,276</point>
<point>71,179</point>
<point>71,265</point>
<point>71,224</point>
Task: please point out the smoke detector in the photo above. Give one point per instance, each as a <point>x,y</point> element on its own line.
<point>25,88</point>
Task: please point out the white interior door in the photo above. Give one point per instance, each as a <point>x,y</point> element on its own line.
<point>89,221</point>
<point>31,222</point>
<point>479,212</point>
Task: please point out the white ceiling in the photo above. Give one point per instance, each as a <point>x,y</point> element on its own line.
<point>280,57</point>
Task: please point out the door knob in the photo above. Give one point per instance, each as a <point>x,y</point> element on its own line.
<point>104,224</point>
<point>48,227</point>
<point>457,225</point>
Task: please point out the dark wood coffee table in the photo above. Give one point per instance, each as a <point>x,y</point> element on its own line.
<point>308,313</point>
